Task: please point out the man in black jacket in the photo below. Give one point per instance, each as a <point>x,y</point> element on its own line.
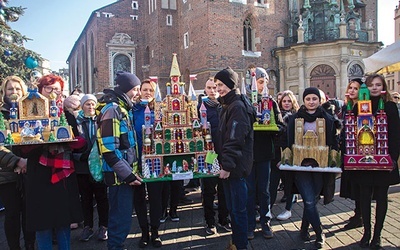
<point>236,149</point>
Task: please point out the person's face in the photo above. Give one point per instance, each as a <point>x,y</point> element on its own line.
<point>211,90</point>
<point>260,84</point>
<point>222,89</point>
<point>396,98</point>
<point>279,97</point>
<point>147,92</point>
<point>48,89</point>
<point>375,87</point>
<point>311,101</point>
<point>287,103</point>
<point>353,90</point>
<point>134,93</point>
<point>13,87</point>
<point>89,108</point>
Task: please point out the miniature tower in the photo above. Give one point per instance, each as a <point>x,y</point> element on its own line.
<point>350,130</point>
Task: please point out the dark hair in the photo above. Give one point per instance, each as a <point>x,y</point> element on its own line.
<point>370,78</point>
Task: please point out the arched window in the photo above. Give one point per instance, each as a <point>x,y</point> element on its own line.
<point>247,35</point>
<point>121,63</point>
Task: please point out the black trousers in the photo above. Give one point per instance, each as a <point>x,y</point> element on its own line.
<point>172,192</point>
<point>381,196</point>
<point>87,189</point>
<point>154,189</point>
<point>11,194</point>
<point>210,187</point>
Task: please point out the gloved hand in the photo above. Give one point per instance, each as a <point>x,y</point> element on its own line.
<point>334,156</point>
<point>287,156</point>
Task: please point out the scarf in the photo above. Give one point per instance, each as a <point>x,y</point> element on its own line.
<point>302,113</point>
<point>59,161</point>
<point>212,103</point>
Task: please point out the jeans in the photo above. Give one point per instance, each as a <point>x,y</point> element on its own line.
<point>120,216</point>
<point>258,184</point>
<point>310,185</point>
<point>209,190</point>
<point>236,199</point>
<point>88,188</point>
<point>45,238</point>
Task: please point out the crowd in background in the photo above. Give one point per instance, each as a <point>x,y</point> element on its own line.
<point>47,190</point>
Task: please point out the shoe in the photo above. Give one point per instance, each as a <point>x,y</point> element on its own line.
<point>258,216</point>
<point>74,226</point>
<point>364,242</point>
<point>86,234</point>
<point>144,240</point>
<point>210,230</point>
<point>294,200</point>
<point>267,231</point>
<point>283,199</point>
<point>354,222</point>
<point>250,235</point>
<point>163,218</point>
<point>320,241</point>
<point>375,243</point>
<point>173,216</point>
<point>215,205</point>
<point>102,233</point>
<point>227,227</point>
<point>155,240</point>
<point>284,215</point>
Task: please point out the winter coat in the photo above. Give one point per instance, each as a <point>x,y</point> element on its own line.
<point>328,189</point>
<point>236,135</point>
<point>116,137</point>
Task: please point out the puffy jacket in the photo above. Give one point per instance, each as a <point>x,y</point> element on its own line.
<point>236,135</point>
<point>116,138</point>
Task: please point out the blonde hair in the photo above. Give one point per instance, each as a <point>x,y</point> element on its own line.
<point>4,83</point>
<point>295,104</point>
<point>347,98</point>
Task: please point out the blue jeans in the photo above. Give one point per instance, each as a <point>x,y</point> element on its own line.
<point>258,179</point>
<point>236,198</point>
<point>45,238</point>
<point>310,185</point>
<point>120,216</point>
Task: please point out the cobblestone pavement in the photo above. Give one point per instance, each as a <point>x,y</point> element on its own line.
<point>189,232</point>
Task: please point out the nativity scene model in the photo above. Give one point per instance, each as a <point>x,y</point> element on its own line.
<point>366,135</point>
<point>34,119</point>
<point>178,145</point>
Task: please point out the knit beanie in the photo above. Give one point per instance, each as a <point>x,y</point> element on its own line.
<point>88,97</point>
<point>260,72</point>
<point>72,102</point>
<point>126,81</point>
<point>311,90</point>
<point>228,77</point>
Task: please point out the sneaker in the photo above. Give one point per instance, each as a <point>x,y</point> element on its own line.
<point>294,198</point>
<point>258,216</point>
<point>250,235</point>
<point>102,233</point>
<point>227,227</point>
<point>267,231</point>
<point>210,230</point>
<point>174,216</point>
<point>86,234</point>
<point>156,241</point>
<point>164,217</point>
<point>284,215</point>
<point>269,215</point>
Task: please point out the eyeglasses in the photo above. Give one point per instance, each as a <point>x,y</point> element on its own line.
<point>49,89</point>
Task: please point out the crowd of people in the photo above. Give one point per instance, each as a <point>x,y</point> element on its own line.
<point>47,189</point>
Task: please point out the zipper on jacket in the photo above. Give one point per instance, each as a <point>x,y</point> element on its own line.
<point>234,123</point>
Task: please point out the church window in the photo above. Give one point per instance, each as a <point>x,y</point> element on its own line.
<point>247,35</point>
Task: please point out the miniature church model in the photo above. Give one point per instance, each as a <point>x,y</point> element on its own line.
<point>35,119</point>
<point>265,120</point>
<point>178,141</point>
<point>366,136</point>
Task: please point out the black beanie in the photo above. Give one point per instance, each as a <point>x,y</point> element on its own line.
<point>228,77</point>
<point>126,81</point>
<point>311,90</point>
